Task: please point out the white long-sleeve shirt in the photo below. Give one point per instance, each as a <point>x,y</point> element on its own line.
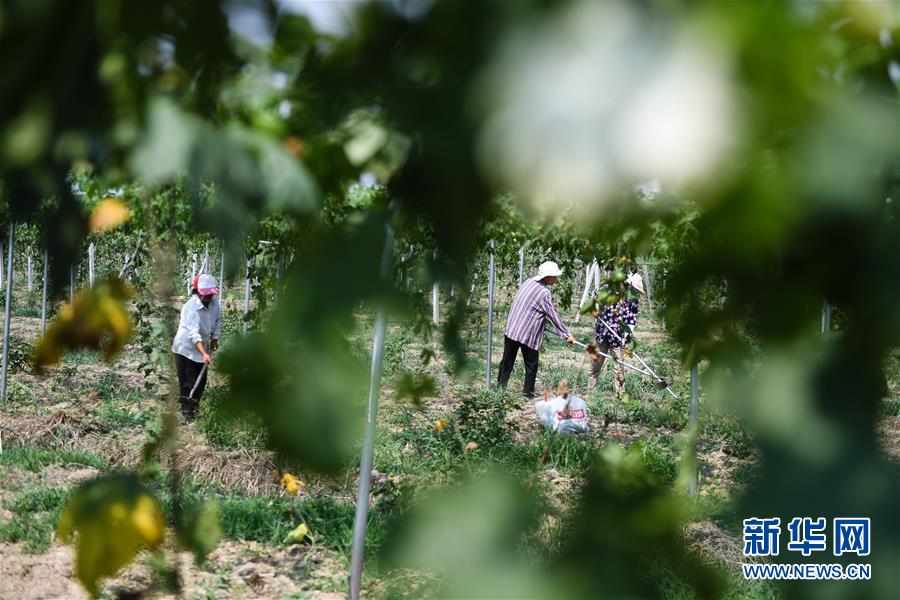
<point>197,323</point>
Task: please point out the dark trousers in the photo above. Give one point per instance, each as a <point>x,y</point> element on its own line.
<point>529,355</point>
<point>188,371</point>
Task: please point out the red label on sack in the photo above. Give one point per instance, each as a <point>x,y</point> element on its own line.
<point>575,413</point>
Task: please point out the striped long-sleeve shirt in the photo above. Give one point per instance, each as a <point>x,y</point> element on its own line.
<point>531,308</point>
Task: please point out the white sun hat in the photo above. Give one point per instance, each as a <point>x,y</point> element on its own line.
<point>635,281</point>
<point>548,269</point>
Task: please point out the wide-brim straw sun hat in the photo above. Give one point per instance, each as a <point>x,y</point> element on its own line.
<point>548,269</point>
<point>635,281</point>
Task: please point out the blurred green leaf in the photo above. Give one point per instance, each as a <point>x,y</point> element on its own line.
<point>114,517</point>
<point>199,530</point>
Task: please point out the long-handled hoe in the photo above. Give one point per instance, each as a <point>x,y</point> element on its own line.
<point>660,382</point>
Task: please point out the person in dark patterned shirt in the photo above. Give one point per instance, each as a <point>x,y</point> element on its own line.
<point>621,317</point>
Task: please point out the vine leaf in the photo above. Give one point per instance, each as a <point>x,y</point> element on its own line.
<point>114,517</point>
<point>97,319</point>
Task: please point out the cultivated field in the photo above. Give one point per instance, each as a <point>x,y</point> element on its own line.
<point>86,417</point>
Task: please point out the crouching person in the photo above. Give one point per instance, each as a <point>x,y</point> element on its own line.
<point>197,336</point>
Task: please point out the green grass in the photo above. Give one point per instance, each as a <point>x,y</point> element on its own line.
<point>36,512</point>
<point>269,520</point>
<point>35,458</point>
<point>226,431</point>
<point>82,357</point>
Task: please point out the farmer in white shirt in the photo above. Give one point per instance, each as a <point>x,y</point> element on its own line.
<point>197,336</point>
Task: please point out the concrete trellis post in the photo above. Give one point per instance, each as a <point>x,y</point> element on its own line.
<point>130,257</point>
<point>9,284</point>
<point>575,276</point>
<point>826,317</point>
<point>30,269</point>
<point>490,319</point>
<point>693,484</point>
<point>648,285</point>
<point>592,277</point>
<point>277,280</point>
<point>222,273</point>
<point>190,283</point>
<point>71,283</point>
<point>91,251</point>
<point>205,265</point>
<point>44,294</point>
<point>247,295</point>
<point>365,463</point>
<point>521,263</point>
<point>435,299</point>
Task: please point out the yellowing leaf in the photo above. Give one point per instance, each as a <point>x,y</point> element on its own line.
<point>471,446</point>
<point>297,535</point>
<point>96,319</point>
<point>439,425</point>
<point>114,518</point>
<point>291,483</point>
<point>109,214</point>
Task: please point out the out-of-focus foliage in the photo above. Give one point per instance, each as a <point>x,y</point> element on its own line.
<point>109,214</point>
<point>470,533</point>
<point>199,530</point>
<point>301,375</point>
<point>96,319</point>
<point>113,518</point>
<point>627,525</point>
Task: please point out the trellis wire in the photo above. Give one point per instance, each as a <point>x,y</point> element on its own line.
<point>9,282</point>
<point>365,463</point>
<point>490,323</point>
<point>44,293</point>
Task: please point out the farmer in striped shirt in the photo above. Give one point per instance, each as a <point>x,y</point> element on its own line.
<point>531,307</point>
